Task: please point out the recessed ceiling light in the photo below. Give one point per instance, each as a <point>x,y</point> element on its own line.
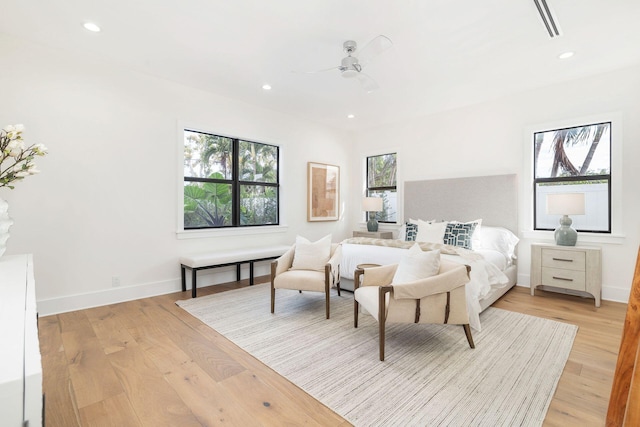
<point>350,116</point>
<point>565,55</point>
<point>91,27</point>
<point>266,87</point>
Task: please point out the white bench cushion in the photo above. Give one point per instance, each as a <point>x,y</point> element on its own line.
<point>228,257</point>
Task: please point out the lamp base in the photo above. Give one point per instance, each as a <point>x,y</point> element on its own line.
<point>372,225</point>
<point>565,235</point>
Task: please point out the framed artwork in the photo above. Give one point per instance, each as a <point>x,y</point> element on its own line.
<point>323,192</point>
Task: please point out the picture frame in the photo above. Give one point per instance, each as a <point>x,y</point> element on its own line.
<point>323,192</point>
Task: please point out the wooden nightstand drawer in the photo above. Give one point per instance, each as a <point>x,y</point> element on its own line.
<point>577,268</point>
<point>374,234</point>
<point>570,260</point>
<point>563,278</point>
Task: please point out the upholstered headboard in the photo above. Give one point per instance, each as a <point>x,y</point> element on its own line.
<point>494,199</point>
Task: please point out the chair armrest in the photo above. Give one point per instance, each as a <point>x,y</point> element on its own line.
<point>332,267</point>
<point>283,263</point>
<point>378,276</point>
<point>335,259</point>
<point>440,283</point>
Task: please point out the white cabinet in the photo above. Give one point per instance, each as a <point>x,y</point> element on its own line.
<point>576,268</point>
<point>20,364</point>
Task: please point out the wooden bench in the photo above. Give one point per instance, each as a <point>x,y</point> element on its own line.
<point>217,259</point>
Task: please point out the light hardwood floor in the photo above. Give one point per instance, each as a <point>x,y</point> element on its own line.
<point>149,363</point>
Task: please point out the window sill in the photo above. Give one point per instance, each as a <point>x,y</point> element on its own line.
<point>612,239</point>
<point>231,231</point>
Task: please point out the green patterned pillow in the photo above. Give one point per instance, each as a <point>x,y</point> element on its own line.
<point>459,234</point>
<point>411,233</point>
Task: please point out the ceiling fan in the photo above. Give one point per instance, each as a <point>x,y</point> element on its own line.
<point>352,65</point>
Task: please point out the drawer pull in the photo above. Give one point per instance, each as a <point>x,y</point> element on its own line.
<point>563,278</point>
<point>562,259</point>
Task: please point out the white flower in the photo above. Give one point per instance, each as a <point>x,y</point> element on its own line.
<point>13,144</point>
<point>16,161</point>
<point>40,149</point>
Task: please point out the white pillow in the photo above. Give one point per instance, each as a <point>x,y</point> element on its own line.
<point>498,239</point>
<point>430,232</point>
<point>417,264</point>
<point>311,256</point>
<point>415,221</point>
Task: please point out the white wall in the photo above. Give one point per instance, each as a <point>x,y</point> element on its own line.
<point>494,138</point>
<point>105,203</point>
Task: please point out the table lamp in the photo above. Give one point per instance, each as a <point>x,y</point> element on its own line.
<point>565,204</point>
<point>372,205</point>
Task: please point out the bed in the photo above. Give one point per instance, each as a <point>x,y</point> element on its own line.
<point>488,201</point>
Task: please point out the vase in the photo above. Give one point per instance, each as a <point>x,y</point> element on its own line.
<point>5,223</point>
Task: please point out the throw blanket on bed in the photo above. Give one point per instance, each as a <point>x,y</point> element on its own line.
<point>425,246</point>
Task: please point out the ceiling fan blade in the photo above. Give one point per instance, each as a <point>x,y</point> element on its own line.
<point>317,71</point>
<point>374,48</point>
<point>367,82</point>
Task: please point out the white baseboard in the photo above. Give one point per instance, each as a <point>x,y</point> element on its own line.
<point>610,293</point>
<point>68,303</point>
<point>47,307</point>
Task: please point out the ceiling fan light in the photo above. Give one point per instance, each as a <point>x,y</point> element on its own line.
<point>349,74</point>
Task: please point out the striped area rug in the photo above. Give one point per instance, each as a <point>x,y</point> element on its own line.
<point>430,376</point>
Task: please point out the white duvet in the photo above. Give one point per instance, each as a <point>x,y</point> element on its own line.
<point>484,273</point>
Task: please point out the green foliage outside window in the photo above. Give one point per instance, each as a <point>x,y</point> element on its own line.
<point>381,182</point>
<point>229,182</point>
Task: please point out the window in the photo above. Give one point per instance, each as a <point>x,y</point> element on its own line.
<point>574,160</point>
<point>229,182</point>
<point>381,182</point>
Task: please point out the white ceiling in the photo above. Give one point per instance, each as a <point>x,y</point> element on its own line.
<point>445,54</point>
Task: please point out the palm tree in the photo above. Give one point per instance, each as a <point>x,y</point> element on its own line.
<point>571,137</point>
<point>382,171</point>
<point>258,164</point>
<point>594,144</point>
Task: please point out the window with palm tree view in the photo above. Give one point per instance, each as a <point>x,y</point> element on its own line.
<point>229,182</point>
<point>574,160</point>
<point>381,182</point>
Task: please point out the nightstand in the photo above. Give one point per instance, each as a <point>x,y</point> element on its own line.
<point>577,268</point>
<point>374,234</point>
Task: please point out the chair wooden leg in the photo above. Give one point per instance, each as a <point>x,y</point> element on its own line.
<point>273,299</point>
<point>381,319</point>
<point>326,298</point>
<point>467,332</point>
<point>355,313</point>
<point>381,326</point>
<point>273,289</point>
<point>327,288</point>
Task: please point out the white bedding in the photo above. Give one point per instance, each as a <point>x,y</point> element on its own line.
<point>485,272</point>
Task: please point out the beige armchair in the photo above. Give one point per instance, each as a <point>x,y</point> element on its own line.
<point>282,277</point>
<point>437,299</point>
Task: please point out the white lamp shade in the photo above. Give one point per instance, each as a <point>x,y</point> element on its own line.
<point>565,204</point>
<point>372,204</point>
